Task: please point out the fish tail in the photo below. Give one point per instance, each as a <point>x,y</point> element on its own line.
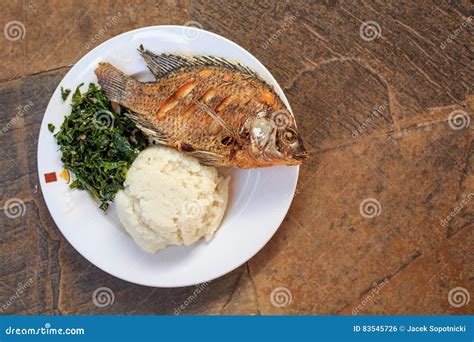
<point>113,82</point>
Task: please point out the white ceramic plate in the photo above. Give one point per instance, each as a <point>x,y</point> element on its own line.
<point>259,198</point>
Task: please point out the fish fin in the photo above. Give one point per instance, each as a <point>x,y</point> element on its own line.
<point>113,82</point>
<point>207,158</point>
<point>164,64</point>
<point>148,129</point>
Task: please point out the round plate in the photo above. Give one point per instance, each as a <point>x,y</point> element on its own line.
<point>259,198</point>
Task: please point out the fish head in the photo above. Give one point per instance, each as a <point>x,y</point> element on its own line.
<point>274,139</point>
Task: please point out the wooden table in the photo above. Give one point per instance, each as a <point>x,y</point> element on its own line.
<point>383,96</point>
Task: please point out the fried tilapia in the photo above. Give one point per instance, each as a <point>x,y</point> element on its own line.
<point>220,112</point>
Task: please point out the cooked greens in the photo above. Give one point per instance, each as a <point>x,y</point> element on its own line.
<point>98,145</point>
<point>65,93</point>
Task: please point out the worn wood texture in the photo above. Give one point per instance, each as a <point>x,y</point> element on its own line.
<point>375,113</point>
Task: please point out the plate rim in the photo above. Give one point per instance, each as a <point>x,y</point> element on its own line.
<point>140,282</point>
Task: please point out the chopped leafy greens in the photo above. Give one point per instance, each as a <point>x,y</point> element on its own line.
<point>51,127</point>
<point>98,145</point>
<point>65,93</point>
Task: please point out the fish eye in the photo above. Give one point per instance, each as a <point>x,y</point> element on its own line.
<point>289,136</point>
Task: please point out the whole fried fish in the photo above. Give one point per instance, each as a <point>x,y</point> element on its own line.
<point>220,112</point>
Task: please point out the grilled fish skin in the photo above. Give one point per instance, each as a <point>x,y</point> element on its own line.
<point>219,112</point>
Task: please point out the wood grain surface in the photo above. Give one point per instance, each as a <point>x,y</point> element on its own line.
<point>382,93</point>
